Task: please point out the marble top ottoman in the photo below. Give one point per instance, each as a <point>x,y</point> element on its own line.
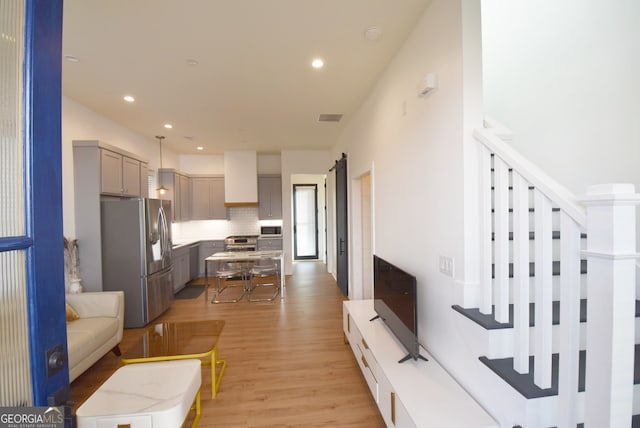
<point>145,395</point>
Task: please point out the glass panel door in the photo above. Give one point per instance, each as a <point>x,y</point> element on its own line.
<point>305,227</point>
<point>32,315</point>
<point>15,368</point>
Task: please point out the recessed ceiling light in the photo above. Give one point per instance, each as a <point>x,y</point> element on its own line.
<point>200,148</point>
<point>71,58</point>
<point>168,125</point>
<point>317,63</point>
<point>373,33</point>
<point>128,98</point>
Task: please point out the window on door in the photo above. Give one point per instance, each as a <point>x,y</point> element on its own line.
<point>305,221</point>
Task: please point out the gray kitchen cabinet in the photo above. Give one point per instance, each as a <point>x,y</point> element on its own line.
<point>194,260</point>
<point>178,192</point>
<point>181,268</point>
<point>184,197</point>
<point>130,176</point>
<point>144,180</point>
<point>270,197</point>
<point>100,170</point>
<point>269,244</point>
<point>207,198</point>
<point>206,249</point>
<point>111,172</point>
<point>120,175</point>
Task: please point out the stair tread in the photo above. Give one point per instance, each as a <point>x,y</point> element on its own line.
<point>511,187</point>
<point>555,268</point>
<point>523,383</point>
<point>531,210</point>
<point>532,235</point>
<point>635,422</point>
<point>489,322</point>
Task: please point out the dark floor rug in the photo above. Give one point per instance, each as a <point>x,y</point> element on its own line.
<point>191,291</point>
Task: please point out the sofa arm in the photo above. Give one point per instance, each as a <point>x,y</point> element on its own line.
<point>98,304</point>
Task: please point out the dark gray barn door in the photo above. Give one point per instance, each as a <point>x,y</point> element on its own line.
<point>342,249</point>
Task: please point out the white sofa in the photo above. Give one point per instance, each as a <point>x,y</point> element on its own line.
<point>98,331</point>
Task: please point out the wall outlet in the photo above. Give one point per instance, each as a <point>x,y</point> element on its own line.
<point>446,265</point>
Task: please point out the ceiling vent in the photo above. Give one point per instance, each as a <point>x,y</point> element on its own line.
<point>329,118</point>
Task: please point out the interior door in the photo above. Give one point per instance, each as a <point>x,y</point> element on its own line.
<point>342,244</point>
<point>305,221</point>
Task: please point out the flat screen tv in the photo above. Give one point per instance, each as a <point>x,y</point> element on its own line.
<point>395,302</point>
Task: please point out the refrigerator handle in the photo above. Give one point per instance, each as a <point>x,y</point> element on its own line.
<point>163,229</point>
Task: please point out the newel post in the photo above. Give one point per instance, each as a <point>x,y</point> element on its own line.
<point>611,264</point>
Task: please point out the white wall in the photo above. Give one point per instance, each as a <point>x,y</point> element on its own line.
<point>81,123</point>
<point>421,149</point>
<point>417,183</point>
<point>297,162</point>
<point>563,76</point>
<point>202,164</point>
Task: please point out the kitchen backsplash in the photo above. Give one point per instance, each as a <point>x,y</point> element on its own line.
<point>242,221</point>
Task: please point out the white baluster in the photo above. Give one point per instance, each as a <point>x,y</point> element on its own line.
<point>520,273</point>
<point>611,262</point>
<point>501,240</point>
<point>569,321</point>
<point>543,291</point>
<point>486,298</point>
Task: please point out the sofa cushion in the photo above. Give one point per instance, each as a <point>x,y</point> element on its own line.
<point>87,334</point>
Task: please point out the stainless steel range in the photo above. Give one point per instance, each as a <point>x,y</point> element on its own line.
<point>241,243</point>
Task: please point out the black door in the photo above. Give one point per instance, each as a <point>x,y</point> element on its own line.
<point>341,226</point>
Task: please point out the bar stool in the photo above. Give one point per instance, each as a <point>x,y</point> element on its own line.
<point>265,268</point>
<point>230,272</point>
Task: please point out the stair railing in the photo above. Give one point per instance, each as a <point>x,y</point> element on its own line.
<point>511,171</point>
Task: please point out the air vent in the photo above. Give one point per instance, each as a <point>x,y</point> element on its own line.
<point>329,118</point>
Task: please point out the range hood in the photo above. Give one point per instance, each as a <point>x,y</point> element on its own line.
<point>240,178</point>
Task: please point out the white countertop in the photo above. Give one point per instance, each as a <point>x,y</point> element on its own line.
<point>246,255</point>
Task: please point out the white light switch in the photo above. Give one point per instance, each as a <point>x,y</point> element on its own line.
<point>446,265</point>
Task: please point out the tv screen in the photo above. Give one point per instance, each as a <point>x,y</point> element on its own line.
<point>395,302</point>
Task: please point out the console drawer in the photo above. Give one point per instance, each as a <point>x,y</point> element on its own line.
<point>366,367</point>
<point>362,353</point>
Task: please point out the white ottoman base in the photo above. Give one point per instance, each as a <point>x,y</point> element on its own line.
<point>144,395</point>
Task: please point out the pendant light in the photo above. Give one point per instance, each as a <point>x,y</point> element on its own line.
<point>162,190</point>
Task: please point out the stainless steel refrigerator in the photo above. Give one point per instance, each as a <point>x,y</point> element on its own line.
<point>136,256</point>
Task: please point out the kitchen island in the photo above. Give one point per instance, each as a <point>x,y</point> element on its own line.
<point>247,256</point>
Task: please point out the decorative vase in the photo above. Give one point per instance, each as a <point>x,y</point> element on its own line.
<point>71,265</point>
<point>75,287</point>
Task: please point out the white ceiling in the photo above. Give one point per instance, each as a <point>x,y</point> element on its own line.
<point>253,86</point>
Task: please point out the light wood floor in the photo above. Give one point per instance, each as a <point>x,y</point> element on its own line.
<point>287,363</point>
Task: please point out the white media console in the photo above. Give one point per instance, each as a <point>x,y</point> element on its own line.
<point>416,394</point>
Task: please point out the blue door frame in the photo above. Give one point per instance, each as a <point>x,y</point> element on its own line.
<point>43,195</point>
